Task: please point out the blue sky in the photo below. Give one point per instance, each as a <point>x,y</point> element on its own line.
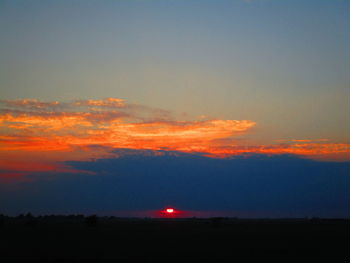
<point>250,186</point>
<point>264,60</point>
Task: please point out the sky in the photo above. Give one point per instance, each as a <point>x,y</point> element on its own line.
<point>123,107</point>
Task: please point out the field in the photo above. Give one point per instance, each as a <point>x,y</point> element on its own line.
<point>79,239</point>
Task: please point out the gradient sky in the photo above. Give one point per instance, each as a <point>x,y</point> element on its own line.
<point>81,80</point>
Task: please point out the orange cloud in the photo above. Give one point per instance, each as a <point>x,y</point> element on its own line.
<point>30,126</point>
<point>155,135</point>
<point>104,125</point>
<point>31,104</point>
<point>305,149</point>
<point>109,102</point>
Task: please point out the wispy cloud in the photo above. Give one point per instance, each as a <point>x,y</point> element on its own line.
<point>73,128</point>
<point>30,126</point>
<point>35,125</point>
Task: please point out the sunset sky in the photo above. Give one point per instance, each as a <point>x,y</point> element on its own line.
<point>238,107</point>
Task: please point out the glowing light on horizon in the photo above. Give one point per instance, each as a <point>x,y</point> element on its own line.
<point>169,210</point>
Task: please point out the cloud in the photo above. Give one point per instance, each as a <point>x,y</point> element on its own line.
<point>30,126</point>
<point>81,129</point>
<point>108,103</point>
<point>303,149</point>
<point>111,122</point>
<point>32,104</point>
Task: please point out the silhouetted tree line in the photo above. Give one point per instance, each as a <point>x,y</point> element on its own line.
<point>93,220</point>
<point>30,220</point>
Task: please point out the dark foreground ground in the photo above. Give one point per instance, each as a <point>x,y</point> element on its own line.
<point>78,239</point>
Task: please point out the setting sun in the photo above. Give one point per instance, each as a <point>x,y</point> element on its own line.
<point>169,210</point>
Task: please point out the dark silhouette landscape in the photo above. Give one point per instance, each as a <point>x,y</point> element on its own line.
<point>79,238</point>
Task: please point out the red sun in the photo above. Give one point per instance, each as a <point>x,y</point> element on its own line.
<point>169,210</point>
